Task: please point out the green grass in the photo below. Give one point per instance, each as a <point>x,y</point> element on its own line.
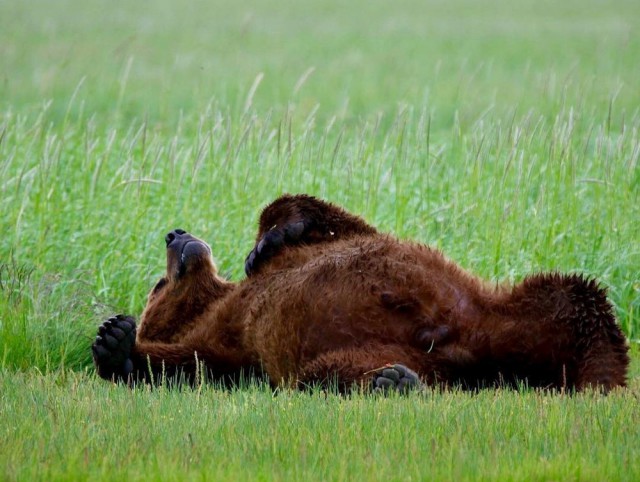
<point>505,133</point>
<point>249,434</point>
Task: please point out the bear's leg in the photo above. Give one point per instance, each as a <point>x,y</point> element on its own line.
<point>604,366</point>
<point>556,331</point>
<point>301,219</point>
<point>367,369</point>
<point>600,351</point>
<point>119,357</point>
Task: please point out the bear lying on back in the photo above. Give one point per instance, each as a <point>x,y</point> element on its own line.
<point>330,300</point>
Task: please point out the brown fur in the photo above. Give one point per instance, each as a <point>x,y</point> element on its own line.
<point>331,299</point>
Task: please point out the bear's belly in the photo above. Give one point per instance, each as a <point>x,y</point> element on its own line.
<point>343,301</point>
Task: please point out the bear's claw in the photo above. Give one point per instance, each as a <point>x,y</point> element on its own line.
<point>271,243</point>
<point>395,377</point>
<point>112,347</point>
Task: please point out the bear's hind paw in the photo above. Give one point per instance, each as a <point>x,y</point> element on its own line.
<point>395,377</point>
<point>112,347</point>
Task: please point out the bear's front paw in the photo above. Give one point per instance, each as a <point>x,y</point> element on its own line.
<point>271,244</point>
<point>112,347</point>
<point>395,377</point>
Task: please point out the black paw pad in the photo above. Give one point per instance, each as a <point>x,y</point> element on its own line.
<point>395,378</point>
<point>294,231</point>
<point>272,243</point>
<point>268,246</point>
<point>112,347</point>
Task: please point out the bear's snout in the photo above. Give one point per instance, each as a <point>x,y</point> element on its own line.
<point>174,235</point>
<point>193,248</point>
<point>183,249</point>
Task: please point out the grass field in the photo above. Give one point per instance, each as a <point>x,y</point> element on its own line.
<point>505,133</point>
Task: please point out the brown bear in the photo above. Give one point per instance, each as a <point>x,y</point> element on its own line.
<point>328,300</point>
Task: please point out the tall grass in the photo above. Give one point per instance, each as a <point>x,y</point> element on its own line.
<point>89,206</point>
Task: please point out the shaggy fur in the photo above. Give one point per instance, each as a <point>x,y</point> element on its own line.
<point>330,299</point>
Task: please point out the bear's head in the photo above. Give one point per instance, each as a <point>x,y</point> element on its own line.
<point>184,294</point>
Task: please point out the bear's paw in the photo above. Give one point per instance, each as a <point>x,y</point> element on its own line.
<point>272,243</point>
<point>395,377</point>
<point>112,347</point>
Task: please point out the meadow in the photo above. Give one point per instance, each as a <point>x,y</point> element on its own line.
<point>507,134</point>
